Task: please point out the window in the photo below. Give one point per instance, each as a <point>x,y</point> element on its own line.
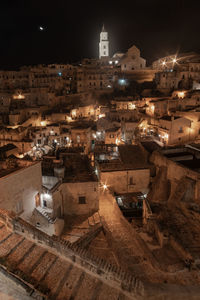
<point>131,180</point>
<point>78,138</point>
<point>44,203</point>
<point>19,207</point>
<point>180,130</point>
<point>104,47</point>
<point>104,52</point>
<point>81,200</point>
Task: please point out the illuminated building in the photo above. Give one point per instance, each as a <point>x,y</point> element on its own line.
<point>103,44</point>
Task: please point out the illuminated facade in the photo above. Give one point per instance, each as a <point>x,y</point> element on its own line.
<point>103,44</point>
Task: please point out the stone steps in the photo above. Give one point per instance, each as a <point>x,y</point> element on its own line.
<point>41,270</point>
<point>44,214</point>
<point>30,261</point>
<point>94,219</point>
<point>59,278</point>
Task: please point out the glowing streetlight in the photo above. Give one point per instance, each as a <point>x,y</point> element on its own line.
<point>105,187</point>
<point>174,60</point>
<point>164,63</point>
<point>181,95</point>
<point>42,123</point>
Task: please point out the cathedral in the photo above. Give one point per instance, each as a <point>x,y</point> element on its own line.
<point>129,61</point>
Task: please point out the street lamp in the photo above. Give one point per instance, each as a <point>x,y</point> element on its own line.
<point>105,186</point>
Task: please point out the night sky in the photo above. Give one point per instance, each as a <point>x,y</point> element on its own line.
<point>157,27</point>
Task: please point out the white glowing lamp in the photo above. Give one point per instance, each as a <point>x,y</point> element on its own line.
<point>43,123</point>
<point>105,186</point>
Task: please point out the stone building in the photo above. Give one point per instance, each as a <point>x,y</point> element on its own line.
<point>113,136</point>
<point>177,72</point>
<point>180,163</point>
<point>74,185</point>
<point>128,173</point>
<point>132,60</point>
<point>174,130</point>
<point>20,188</point>
<point>17,136</point>
<point>81,136</point>
<point>94,77</point>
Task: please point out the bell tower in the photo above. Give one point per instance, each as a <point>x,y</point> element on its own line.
<point>103,44</point>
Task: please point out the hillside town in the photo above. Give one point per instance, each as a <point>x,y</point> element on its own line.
<point>100,177</point>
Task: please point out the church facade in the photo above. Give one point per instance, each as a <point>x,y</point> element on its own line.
<point>128,62</point>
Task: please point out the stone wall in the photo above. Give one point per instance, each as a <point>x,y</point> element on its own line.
<point>71,193</point>
<point>175,173</point>
<point>18,189</point>
<point>121,182</point>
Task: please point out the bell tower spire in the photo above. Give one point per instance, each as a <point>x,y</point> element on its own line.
<point>103,44</point>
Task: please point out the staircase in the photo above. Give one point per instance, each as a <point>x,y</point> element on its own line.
<point>94,219</point>
<point>42,211</point>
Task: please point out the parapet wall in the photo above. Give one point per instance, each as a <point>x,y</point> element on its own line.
<point>81,256</point>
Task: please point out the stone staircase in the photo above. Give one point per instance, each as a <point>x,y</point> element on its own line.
<point>94,219</point>
<point>43,212</point>
<point>58,278</point>
<point>84,232</point>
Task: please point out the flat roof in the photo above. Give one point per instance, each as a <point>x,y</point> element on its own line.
<point>193,164</point>
<point>131,157</point>
<point>151,146</point>
<point>112,129</point>
<point>6,172</point>
<point>78,168</point>
<point>177,154</point>
<point>7,148</point>
<point>170,118</point>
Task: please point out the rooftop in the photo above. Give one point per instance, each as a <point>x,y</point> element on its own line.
<point>131,157</point>
<point>113,129</point>
<point>7,148</point>
<point>150,146</point>
<point>77,168</point>
<point>186,156</point>
<point>170,118</point>
<point>17,165</point>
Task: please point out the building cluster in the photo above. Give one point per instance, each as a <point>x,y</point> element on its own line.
<point>71,134</point>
